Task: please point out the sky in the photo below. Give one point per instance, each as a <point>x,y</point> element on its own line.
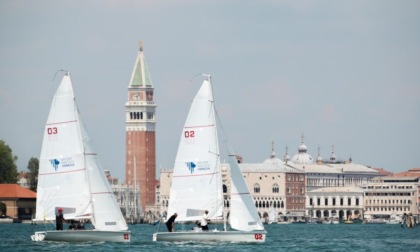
<point>341,73</point>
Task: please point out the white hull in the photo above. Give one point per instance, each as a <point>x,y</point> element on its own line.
<point>393,222</point>
<point>204,236</point>
<point>82,236</point>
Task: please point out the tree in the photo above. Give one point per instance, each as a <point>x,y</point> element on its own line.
<point>8,169</point>
<point>33,167</point>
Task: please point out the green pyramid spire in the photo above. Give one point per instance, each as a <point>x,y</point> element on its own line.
<point>140,76</point>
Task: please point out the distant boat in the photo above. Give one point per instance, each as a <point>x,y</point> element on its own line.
<point>375,221</point>
<point>197,181</point>
<point>71,178</point>
<point>271,215</point>
<point>394,219</point>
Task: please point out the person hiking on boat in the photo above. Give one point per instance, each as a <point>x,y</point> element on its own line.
<point>204,221</point>
<point>59,220</point>
<point>170,222</point>
<point>72,226</point>
<point>80,225</point>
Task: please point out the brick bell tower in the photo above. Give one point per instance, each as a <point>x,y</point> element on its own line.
<point>140,122</point>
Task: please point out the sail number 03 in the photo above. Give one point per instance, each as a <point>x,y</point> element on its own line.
<point>189,133</point>
<point>52,131</point>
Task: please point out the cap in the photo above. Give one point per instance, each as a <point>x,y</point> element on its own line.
<point>60,210</point>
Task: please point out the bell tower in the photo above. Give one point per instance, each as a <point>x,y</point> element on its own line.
<point>140,122</point>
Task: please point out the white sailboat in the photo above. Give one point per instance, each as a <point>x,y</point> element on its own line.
<point>271,215</point>
<point>197,182</point>
<point>71,178</point>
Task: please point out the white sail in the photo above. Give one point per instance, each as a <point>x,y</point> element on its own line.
<point>70,174</point>
<point>196,182</point>
<point>271,215</point>
<point>243,214</point>
<point>62,179</point>
<point>107,213</point>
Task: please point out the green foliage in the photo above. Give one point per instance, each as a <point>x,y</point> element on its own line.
<point>8,168</point>
<point>33,167</point>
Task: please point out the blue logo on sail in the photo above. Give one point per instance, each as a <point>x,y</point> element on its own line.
<point>191,166</point>
<point>54,163</point>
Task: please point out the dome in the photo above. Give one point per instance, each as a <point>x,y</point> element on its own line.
<point>302,148</point>
<point>302,158</point>
<point>319,158</point>
<point>273,160</point>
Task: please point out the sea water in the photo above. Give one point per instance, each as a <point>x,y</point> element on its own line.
<point>292,237</point>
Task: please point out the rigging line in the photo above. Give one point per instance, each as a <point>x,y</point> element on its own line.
<point>61,70</point>
<point>225,139</point>
<point>208,76</point>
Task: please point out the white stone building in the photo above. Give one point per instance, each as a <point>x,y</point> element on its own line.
<point>343,203</point>
<point>388,196</point>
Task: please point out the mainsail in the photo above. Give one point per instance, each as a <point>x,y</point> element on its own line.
<point>70,174</point>
<point>196,181</point>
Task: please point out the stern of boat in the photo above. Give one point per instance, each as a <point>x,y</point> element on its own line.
<point>38,236</point>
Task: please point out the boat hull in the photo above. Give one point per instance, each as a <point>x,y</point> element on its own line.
<point>82,236</point>
<point>203,236</point>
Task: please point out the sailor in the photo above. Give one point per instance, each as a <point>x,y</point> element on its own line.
<point>170,222</point>
<point>204,221</point>
<point>59,220</point>
<point>72,226</point>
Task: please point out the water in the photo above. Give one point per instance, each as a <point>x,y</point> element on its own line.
<point>293,237</point>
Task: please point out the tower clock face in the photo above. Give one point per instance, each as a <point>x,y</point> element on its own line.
<point>135,96</point>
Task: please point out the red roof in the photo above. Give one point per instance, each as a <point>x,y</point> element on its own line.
<point>413,172</point>
<point>15,191</point>
<point>381,171</point>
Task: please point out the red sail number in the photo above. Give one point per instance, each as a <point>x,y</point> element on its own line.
<point>188,134</point>
<point>52,131</point>
<point>126,236</point>
<point>258,236</point>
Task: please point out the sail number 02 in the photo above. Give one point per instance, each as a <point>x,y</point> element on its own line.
<point>258,236</point>
<point>52,131</point>
<point>189,133</point>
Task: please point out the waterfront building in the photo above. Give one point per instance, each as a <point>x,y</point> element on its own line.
<point>392,195</point>
<point>322,173</point>
<point>299,187</point>
<point>140,121</point>
<point>343,203</point>
<point>17,202</point>
<point>333,186</point>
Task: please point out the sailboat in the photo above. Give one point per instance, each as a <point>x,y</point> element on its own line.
<point>271,215</point>
<point>71,178</point>
<point>197,181</point>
